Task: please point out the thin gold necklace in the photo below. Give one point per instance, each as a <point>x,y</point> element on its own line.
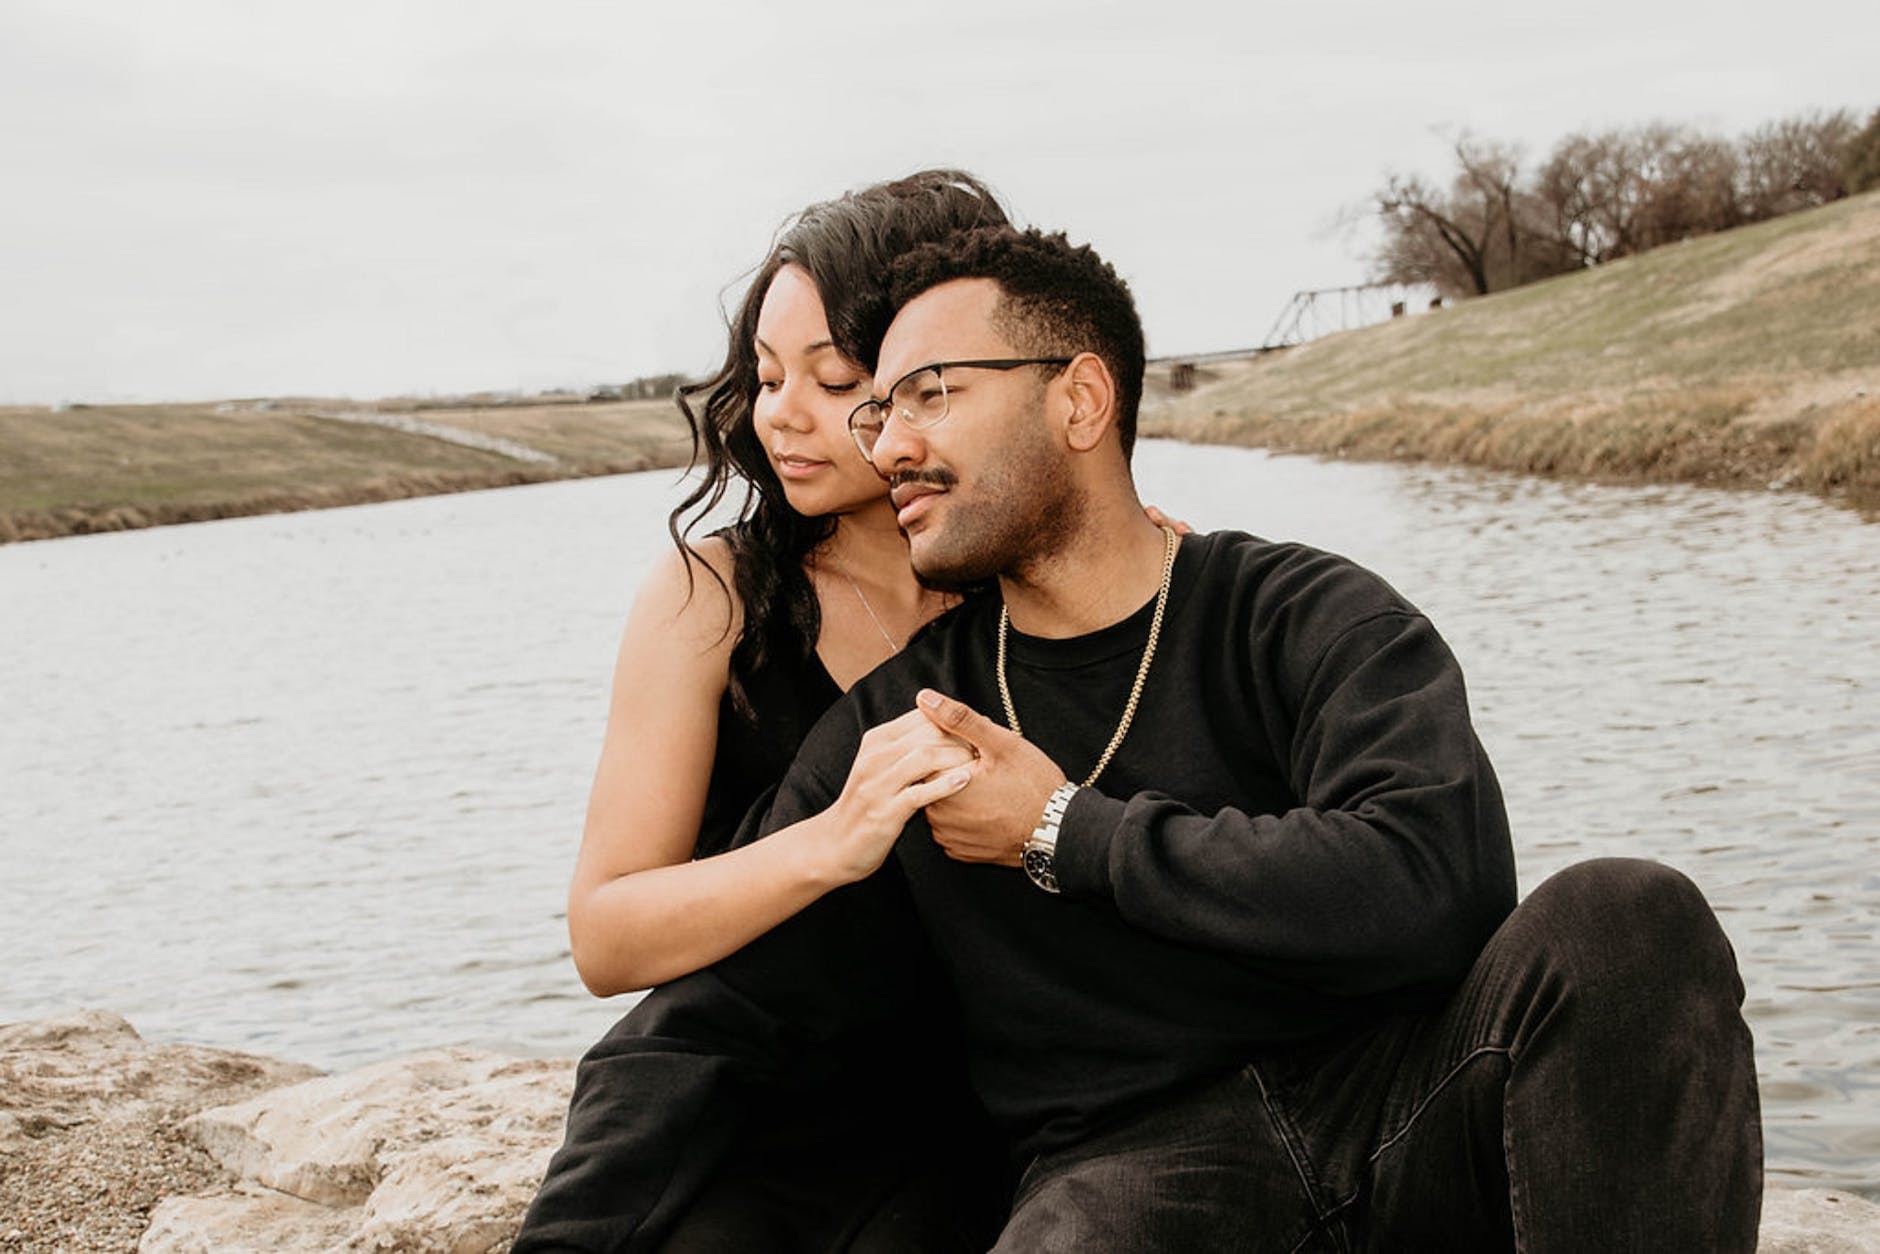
<point>1142,671</point>
<point>893,644</point>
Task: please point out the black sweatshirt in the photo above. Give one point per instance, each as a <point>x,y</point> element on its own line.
<point>1300,833</point>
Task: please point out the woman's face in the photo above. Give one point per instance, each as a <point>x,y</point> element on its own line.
<point>805,391</point>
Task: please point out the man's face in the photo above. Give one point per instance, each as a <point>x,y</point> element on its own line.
<point>985,491</point>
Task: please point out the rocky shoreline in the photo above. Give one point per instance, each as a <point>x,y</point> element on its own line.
<point>108,1142</point>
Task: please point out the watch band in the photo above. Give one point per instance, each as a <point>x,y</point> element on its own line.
<point>1039,856</point>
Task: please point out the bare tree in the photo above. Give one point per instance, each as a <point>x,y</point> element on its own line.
<point>1429,239</point>
<point>1794,164</point>
<point>1860,158</point>
<point>1599,197</point>
<point>1477,237</point>
<point>1689,186</point>
<point>1592,196</point>
<point>1621,192</point>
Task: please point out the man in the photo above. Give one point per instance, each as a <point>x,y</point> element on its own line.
<point>1231,924</point>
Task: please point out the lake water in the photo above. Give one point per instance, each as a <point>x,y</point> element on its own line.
<point>311,785</point>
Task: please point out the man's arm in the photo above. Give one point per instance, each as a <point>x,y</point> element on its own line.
<point>1390,872</point>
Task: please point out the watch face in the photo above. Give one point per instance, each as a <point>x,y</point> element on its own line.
<point>1040,866</point>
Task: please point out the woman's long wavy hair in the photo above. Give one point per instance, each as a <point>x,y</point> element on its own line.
<point>846,245</point>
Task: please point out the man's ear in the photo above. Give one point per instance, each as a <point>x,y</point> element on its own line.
<point>1093,402</point>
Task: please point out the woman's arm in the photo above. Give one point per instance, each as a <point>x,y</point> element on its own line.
<point>641,911</point>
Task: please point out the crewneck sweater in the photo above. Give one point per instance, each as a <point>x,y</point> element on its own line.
<point>1301,830</point>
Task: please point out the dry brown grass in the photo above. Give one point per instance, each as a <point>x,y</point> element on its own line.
<point>1747,359</point>
<point>588,435</point>
<point>115,467</point>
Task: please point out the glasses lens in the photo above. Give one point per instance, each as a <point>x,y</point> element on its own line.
<point>920,400</point>
<point>865,425</point>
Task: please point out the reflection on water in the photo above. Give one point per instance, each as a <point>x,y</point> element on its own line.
<point>311,785</point>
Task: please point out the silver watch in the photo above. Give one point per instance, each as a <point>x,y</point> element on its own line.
<point>1039,856</point>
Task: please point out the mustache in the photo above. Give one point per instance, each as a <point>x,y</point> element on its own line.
<point>936,477</point>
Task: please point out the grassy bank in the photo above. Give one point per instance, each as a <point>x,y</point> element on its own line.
<point>107,468</point>
<point>1745,359</point>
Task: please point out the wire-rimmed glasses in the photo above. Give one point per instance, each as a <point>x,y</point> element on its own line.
<point>919,397</point>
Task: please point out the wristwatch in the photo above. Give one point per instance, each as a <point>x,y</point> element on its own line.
<point>1039,856</point>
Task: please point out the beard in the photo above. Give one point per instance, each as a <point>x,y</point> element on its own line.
<point>1017,514</point>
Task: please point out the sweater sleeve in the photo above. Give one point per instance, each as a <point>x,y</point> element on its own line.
<point>1389,873</point>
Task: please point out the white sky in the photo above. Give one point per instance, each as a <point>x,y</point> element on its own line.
<point>207,198</point>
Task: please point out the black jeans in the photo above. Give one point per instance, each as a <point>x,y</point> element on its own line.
<point>859,1199</point>
<point>1591,1086</point>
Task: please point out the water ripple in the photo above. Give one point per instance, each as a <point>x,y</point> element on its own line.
<point>311,785</point>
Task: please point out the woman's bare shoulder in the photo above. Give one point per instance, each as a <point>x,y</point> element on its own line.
<point>691,595</point>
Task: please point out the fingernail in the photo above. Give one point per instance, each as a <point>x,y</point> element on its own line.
<point>959,777</point>
<point>927,697</point>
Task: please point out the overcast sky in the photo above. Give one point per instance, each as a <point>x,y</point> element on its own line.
<point>209,198</point>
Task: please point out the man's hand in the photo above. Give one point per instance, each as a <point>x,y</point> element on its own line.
<point>902,765</point>
<point>992,817</point>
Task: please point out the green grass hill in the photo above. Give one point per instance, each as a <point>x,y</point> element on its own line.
<point>1749,358</point>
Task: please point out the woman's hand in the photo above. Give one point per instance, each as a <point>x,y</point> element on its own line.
<point>901,767</point>
<point>1160,519</point>
<point>1012,781</point>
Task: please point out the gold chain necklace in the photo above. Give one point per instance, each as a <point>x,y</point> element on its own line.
<point>1142,671</point>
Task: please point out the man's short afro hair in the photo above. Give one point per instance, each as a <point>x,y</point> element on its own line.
<point>1059,300</point>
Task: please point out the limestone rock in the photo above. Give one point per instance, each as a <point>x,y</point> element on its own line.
<point>438,1151</point>
<point>1818,1221</point>
<point>246,1219</point>
<point>88,1116</point>
<point>66,1071</point>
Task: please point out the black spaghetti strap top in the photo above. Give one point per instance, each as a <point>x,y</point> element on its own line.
<point>829,1134</point>
<point>754,749</point>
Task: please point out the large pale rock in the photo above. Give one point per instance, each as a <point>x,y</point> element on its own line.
<point>72,1069</point>
<point>88,1117</point>
<point>1818,1221</point>
<point>436,1151</point>
<point>245,1219</point>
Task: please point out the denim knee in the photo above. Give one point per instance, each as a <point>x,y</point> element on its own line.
<point>1633,921</point>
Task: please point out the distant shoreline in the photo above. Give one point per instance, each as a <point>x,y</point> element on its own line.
<point>18,526</point>
<point>1409,436</point>
<point>1772,462</point>
<point>1743,360</point>
<point>92,469</point>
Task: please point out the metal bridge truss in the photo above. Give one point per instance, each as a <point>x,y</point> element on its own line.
<point>1310,315</point>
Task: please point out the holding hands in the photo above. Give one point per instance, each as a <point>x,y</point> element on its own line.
<point>983,788</point>
<point>902,766</point>
<point>991,820</point>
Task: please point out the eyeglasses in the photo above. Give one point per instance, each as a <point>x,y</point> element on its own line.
<point>919,397</point>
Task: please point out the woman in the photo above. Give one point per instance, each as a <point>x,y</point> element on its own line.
<point>735,646</point>
<point>740,640</point>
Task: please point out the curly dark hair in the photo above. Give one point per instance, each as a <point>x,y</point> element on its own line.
<point>847,246</point>
<point>1058,300</point>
